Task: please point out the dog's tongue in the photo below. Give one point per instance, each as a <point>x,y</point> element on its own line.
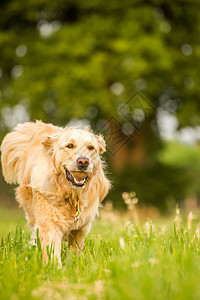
<point>79,181</point>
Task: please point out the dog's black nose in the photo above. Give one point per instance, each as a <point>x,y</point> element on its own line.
<point>82,163</point>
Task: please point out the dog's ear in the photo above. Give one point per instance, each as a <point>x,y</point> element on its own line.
<point>48,143</point>
<point>101,143</point>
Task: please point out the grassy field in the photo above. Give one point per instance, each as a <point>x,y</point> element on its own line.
<point>159,260</point>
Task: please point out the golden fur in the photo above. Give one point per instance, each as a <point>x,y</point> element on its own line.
<point>35,156</point>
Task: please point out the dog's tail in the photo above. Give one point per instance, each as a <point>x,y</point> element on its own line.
<point>13,147</point>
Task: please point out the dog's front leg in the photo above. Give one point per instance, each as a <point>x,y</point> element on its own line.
<point>77,238</point>
<point>50,240</point>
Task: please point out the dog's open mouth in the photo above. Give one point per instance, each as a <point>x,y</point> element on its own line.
<point>77,178</point>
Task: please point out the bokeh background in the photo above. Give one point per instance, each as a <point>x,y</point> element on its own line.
<point>128,68</point>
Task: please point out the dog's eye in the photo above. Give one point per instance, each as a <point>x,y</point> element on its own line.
<point>70,145</point>
<point>90,147</point>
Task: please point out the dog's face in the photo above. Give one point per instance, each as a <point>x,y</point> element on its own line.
<point>76,153</point>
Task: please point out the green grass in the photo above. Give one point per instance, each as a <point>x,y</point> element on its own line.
<point>119,261</point>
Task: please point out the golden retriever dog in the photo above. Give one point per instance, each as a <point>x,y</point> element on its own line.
<point>61,180</point>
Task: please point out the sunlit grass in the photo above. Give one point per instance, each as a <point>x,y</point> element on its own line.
<point>154,260</point>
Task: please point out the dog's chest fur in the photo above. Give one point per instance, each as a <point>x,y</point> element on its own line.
<point>63,212</point>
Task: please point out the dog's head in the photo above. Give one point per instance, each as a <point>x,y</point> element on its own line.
<point>75,153</point>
